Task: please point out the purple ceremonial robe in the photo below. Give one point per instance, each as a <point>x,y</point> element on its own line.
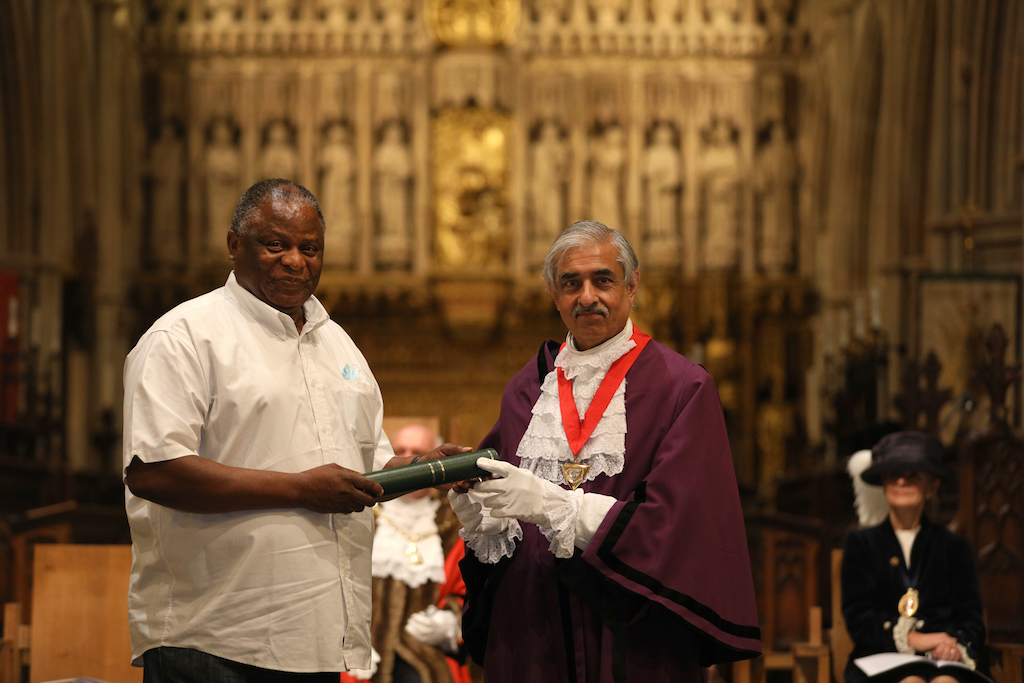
<point>664,586</point>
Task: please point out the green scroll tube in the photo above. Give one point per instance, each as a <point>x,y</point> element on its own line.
<point>421,475</point>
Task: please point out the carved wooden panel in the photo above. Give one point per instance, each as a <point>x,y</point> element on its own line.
<point>992,517</point>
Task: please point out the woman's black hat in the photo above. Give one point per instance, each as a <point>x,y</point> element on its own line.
<point>902,451</point>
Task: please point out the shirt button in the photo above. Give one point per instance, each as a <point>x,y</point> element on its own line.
<point>323,429</point>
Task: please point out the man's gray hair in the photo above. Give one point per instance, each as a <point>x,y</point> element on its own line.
<point>585,234</point>
<point>278,188</point>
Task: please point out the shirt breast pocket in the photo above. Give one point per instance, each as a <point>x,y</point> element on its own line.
<point>360,406</point>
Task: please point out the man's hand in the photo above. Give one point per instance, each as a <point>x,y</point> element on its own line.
<point>519,493</point>
<point>366,674</point>
<point>435,627</point>
<point>332,488</point>
<point>194,484</point>
<point>940,645</point>
<point>473,514</point>
<point>442,451</point>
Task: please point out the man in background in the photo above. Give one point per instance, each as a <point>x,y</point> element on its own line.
<point>417,586</point>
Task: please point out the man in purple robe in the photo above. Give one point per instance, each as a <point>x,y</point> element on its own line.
<point>612,547</point>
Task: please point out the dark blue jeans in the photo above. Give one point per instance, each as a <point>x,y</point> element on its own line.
<point>182,665</point>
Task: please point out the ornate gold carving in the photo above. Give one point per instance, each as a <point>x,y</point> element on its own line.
<point>470,159</point>
<point>473,22</point>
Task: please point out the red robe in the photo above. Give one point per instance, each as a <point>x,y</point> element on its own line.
<point>452,595</point>
<point>664,587</point>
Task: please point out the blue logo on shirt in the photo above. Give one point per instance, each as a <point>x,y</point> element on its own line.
<point>349,372</point>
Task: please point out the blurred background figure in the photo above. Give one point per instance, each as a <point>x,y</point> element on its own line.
<point>414,534</point>
<point>909,585</point>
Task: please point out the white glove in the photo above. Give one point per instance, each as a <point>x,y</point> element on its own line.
<point>366,674</point>
<point>474,515</point>
<point>519,493</point>
<point>436,628</point>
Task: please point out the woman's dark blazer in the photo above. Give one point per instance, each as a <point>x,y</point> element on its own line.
<point>872,586</point>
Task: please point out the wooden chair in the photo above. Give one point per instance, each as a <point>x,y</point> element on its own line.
<point>1007,662</point>
<point>808,660</point>
<point>14,646</point>
<point>784,551</point>
<point>79,617</point>
<point>838,637</point>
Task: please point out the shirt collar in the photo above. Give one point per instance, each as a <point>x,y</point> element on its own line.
<point>625,333</point>
<point>278,323</point>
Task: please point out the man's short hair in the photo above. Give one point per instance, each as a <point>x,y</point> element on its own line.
<point>583,234</point>
<point>278,188</point>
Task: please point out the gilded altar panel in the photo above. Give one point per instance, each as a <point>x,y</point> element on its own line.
<point>470,166</point>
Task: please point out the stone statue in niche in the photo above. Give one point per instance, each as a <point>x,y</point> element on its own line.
<point>720,177</point>
<point>662,173</point>
<point>221,11</point>
<point>337,197</point>
<point>607,13</point>
<point>774,182</point>
<point>170,11</point>
<point>608,157</point>
<point>223,176</point>
<point>665,13</point>
<point>549,13</point>
<point>549,175</point>
<point>721,12</point>
<point>393,12</point>
<point>776,13</point>
<point>279,158</point>
<point>278,11</point>
<point>337,176</point>
<point>393,175</point>
<point>166,169</point>
<point>774,426</point>
<point>333,11</point>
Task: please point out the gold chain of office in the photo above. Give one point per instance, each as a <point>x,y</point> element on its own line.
<point>411,551</point>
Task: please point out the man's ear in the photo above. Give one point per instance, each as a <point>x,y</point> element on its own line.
<point>234,242</point>
<point>634,283</point>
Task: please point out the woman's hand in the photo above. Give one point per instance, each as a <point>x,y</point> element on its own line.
<point>940,645</point>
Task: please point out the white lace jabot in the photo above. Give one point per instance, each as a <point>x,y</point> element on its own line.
<point>545,448</point>
<point>408,525</point>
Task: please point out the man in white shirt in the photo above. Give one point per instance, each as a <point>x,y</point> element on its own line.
<point>248,418</point>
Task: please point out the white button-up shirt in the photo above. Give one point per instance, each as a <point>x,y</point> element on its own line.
<point>227,377</point>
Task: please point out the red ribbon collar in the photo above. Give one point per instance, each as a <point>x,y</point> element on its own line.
<point>577,431</point>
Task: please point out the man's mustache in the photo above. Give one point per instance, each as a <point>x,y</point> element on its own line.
<point>598,308</point>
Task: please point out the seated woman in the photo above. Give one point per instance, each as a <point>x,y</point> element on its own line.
<point>909,585</point>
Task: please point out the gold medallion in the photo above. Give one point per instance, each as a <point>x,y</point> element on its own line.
<point>574,474</point>
<point>909,603</point>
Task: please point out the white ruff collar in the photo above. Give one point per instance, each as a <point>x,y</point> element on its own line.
<point>544,447</point>
<point>407,529</point>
